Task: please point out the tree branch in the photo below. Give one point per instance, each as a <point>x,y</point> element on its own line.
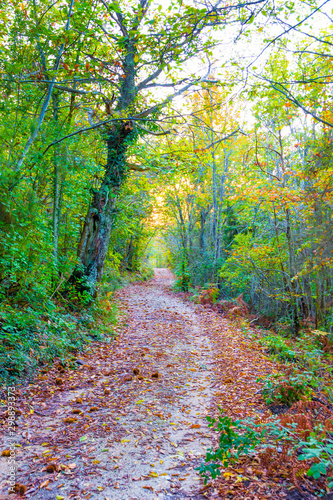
<point>214,143</point>
<point>47,98</point>
<point>287,94</point>
<point>166,132</point>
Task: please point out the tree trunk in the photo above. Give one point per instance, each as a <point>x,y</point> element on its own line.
<point>58,183</point>
<point>58,187</point>
<point>95,236</point>
<point>203,217</point>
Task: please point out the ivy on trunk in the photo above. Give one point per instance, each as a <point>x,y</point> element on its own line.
<point>95,235</point>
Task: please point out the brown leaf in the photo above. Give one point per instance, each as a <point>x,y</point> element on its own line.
<point>52,468</point>
<point>70,420</point>
<point>76,411</point>
<point>20,489</point>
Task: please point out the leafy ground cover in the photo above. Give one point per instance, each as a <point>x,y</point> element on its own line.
<point>292,419</point>
<point>33,336</point>
<point>130,420</point>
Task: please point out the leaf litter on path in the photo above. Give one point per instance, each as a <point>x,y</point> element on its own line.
<point>130,422</point>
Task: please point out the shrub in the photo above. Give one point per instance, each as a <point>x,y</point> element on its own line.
<point>279,348</point>
<point>31,338</point>
<point>209,295</point>
<point>289,387</point>
<point>300,436</point>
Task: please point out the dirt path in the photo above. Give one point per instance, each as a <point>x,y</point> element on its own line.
<point>130,422</point>
<point>138,436</point>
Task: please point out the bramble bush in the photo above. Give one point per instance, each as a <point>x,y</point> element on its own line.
<point>288,440</point>
<point>289,387</point>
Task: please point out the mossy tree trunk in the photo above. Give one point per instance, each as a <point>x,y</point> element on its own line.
<point>95,235</point>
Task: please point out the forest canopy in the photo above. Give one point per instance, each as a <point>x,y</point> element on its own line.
<point>189,134</point>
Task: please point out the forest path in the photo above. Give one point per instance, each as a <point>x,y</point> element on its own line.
<point>102,432</point>
<point>139,436</point>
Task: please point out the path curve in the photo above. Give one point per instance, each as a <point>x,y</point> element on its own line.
<point>138,434</point>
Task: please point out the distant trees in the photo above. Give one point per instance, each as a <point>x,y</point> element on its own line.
<point>71,68</point>
<point>87,88</point>
<point>257,207</point>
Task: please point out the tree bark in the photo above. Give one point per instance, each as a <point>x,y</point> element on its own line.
<point>95,236</point>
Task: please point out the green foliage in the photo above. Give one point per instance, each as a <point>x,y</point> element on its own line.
<point>279,348</point>
<point>309,368</point>
<point>250,437</point>
<point>181,270</point>
<point>232,444</point>
<point>30,338</point>
<point>322,453</point>
<point>289,387</point>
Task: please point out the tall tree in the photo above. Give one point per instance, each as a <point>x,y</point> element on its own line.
<point>153,45</point>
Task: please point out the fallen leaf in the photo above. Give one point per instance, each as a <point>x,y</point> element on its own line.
<point>70,420</point>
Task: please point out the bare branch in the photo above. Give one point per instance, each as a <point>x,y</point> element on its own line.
<point>166,132</point>
<point>47,98</point>
<point>181,91</point>
<point>287,31</point>
<point>214,143</point>
<point>137,168</point>
<point>288,95</point>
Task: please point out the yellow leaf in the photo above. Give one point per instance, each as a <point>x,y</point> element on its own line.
<point>136,58</point>
<point>125,441</point>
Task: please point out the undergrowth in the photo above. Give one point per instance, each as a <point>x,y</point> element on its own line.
<point>289,387</point>
<point>307,368</point>
<point>33,334</point>
<point>298,445</point>
<point>30,338</point>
